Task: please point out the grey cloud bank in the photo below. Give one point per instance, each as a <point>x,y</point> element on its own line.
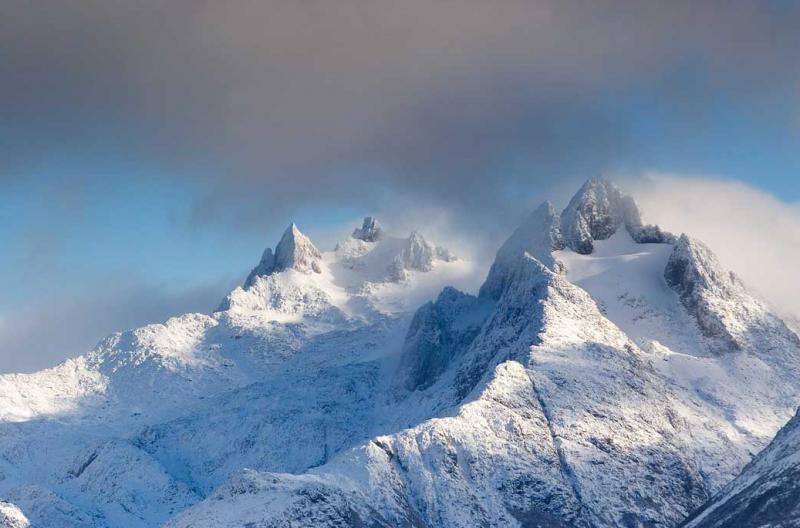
<point>752,232</point>
<point>274,100</point>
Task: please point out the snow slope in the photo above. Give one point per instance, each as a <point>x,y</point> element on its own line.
<point>626,279</point>
<point>766,494</point>
<point>607,374</point>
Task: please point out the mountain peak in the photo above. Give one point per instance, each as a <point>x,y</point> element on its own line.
<point>538,236</point>
<point>370,230</point>
<point>597,210</point>
<point>417,254</point>
<point>294,251</point>
<point>594,213</point>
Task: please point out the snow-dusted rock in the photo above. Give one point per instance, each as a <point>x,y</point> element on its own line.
<point>767,493</point>
<point>727,315</point>
<point>597,211</point>
<point>294,251</point>
<point>128,485</point>
<point>280,501</point>
<point>539,235</point>
<point>12,517</point>
<point>44,508</point>
<point>417,254</point>
<point>439,331</point>
<point>370,230</point>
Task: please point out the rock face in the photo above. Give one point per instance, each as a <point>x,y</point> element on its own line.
<point>417,254</point>
<point>294,251</point>
<point>597,211</point>
<point>720,303</point>
<point>767,493</point>
<point>440,331</point>
<point>370,230</point>
<point>538,236</point>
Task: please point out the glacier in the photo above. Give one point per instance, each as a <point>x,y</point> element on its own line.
<point>606,373</point>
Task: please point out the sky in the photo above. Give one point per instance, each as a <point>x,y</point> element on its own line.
<point>150,151</point>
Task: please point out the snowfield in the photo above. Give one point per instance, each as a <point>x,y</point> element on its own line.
<point>607,374</point>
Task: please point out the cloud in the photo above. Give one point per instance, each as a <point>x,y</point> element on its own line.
<point>283,104</point>
<point>752,232</point>
<point>40,335</point>
<point>460,115</point>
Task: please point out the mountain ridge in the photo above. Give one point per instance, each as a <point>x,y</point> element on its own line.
<point>560,395</point>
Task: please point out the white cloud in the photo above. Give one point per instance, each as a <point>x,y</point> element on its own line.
<point>752,232</point>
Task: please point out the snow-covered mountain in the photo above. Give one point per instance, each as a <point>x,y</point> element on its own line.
<point>607,373</point>
<point>766,494</point>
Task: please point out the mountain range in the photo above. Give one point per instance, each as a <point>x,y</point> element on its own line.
<point>608,373</point>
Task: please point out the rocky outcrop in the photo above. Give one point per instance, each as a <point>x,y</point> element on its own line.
<point>695,275</point>
<point>539,235</point>
<point>417,254</point>
<point>12,517</point>
<point>294,251</point>
<point>597,211</point>
<point>727,315</point>
<point>370,230</point>
<point>438,333</point>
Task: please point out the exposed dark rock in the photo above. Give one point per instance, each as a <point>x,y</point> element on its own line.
<point>597,211</point>
<point>370,230</point>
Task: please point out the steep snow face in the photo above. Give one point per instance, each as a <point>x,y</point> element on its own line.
<point>728,316</point>
<point>643,289</point>
<point>627,281</point>
<point>767,493</point>
<point>538,236</point>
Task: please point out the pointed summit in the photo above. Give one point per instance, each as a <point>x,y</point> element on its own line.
<point>370,230</point>
<point>295,251</point>
<point>596,212</point>
<point>539,235</point>
<point>417,254</point>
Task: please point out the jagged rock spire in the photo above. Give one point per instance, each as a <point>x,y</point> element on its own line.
<point>294,251</point>
<point>417,254</point>
<point>597,210</point>
<point>370,230</point>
